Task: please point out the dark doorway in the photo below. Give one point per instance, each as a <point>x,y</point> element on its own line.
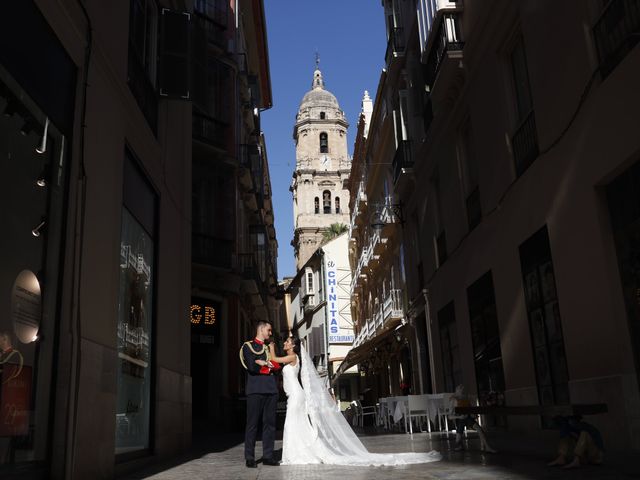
<point>623,196</point>
<point>205,351</point>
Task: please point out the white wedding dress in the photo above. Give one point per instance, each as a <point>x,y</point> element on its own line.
<point>315,432</point>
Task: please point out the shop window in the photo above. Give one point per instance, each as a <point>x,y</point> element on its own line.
<point>544,322</point>
<point>485,335</point>
<point>135,312</point>
<point>32,195</point>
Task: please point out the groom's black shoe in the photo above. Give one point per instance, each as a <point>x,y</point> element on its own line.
<point>271,462</point>
<point>251,464</point>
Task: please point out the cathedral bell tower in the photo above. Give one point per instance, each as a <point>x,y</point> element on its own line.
<point>319,185</point>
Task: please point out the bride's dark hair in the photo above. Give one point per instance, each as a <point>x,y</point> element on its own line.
<point>296,349</point>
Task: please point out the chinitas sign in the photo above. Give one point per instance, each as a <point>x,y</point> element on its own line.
<point>333,306</point>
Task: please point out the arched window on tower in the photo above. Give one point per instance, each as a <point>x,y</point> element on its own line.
<point>322,116</point>
<point>324,143</point>
<point>326,201</point>
<point>337,204</point>
<point>316,205</point>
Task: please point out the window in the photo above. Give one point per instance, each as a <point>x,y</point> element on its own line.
<point>326,201</point>
<point>316,205</point>
<point>485,336</point>
<point>135,312</point>
<point>337,204</point>
<point>451,368</point>
<point>322,115</point>
<point>616,33</point>
<point>441,237</point>
<point>213,224</point>
<point>309,287</point>
<point>324,143</point>
<point>468,166</point>
<point>143,51</point>
<point>544,322</point>
<point>525,139</point>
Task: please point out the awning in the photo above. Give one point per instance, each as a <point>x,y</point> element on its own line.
<point>362,352</point>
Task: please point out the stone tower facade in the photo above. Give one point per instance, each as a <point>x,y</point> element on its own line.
<point>319,185</point>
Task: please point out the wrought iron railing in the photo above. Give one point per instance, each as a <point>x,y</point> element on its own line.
<point>617,32</point>
<point>447,39</point>
<point>395,44</point>
<point>402,159</point>
<point>209,130</point>
<point>393,304</point>
<point>525,143</point>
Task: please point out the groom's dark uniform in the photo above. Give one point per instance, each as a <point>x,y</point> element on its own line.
<point>262,398</point>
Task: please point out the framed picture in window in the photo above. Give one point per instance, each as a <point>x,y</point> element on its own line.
<point>532,289</point>
<point>547,282</point>
<point>537,328</point>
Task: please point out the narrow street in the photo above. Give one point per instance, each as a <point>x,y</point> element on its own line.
<point>222,457</point>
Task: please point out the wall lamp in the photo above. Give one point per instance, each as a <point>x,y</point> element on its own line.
<point>42,179</point>
<point>36,231</point>
<point>43,144</point>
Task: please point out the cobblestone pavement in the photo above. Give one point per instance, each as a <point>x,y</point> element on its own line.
<point>222,458</point>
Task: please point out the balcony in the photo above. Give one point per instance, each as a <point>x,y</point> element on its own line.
<point>395,45</point>
<point>209,130</point>
<point>617,32</point>
<point>447,43</point>
<point>208,31</point>
<point>393,305</point>
<point>247,266</point>
<point>402,160</point>
<point>378,316</point>
<point>211,251</point>
<point>525,144</point>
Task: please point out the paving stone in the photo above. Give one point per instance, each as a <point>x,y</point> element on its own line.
<point>519,458</point>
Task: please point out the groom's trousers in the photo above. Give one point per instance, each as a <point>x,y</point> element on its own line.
<point>260,405</point>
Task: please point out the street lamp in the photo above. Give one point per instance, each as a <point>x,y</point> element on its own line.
<point>384,214</point>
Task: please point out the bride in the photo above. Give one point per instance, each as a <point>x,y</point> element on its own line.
<point>314,432</point>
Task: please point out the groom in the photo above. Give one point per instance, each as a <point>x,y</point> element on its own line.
<point>262,395</point>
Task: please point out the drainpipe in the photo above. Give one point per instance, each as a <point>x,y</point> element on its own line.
<point>427,315</point>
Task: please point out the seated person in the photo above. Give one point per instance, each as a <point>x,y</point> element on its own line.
<point>460,399</point>
<point>579,440</point>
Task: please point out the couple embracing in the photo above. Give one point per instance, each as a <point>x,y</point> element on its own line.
<point>314,432</point>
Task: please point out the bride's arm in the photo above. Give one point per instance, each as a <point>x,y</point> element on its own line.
<point>285,359</point>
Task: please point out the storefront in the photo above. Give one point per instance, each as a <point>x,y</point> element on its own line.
<point>34,156</point>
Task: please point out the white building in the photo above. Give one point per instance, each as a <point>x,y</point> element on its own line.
<point>321,313</point>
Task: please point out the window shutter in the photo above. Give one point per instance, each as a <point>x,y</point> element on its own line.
<point>173,75</point>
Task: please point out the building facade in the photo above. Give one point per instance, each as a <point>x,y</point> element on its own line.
<point>234,269</point>
<point>516,198</point>
<point>120,224</point>
<point>320,196</point>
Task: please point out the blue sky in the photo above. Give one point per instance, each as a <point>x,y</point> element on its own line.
<point>351,40</point>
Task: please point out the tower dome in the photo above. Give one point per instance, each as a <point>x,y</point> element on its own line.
<point>318,96</point>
